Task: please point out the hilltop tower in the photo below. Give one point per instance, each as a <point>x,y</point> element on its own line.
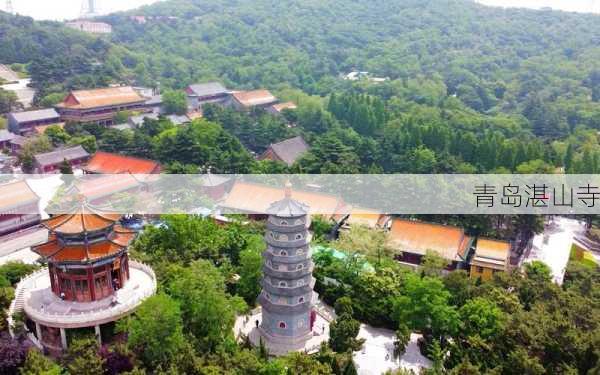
<point>9,7</point>
<point>89,9</point>
<point>287,298</point>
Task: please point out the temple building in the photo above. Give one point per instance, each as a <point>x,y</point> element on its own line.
<point>89,282</point>
<point>287,151</point>
<point>100,105</point>
<point>490,257</point>
<point>19,207</point>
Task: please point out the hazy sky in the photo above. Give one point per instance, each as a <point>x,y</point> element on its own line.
<point>569,5</point>
<point>68,9</point>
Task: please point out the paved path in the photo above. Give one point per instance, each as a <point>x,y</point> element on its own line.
<point>376,356</point>
<point>24,93</point>
<point>553,247</point>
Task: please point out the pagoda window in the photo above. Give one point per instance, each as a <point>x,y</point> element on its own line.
<point>268,296</point>
<point>282,237</point>
<point>300,267</point>
<point>301,300</point>
<point>300,252</point>
<point>283,253</point>
<point>299,222</point>
<point>299,236</point>
<point>283,284</point>
<point>300,282</point>
<point>282,325</point>
<point>283,222</point>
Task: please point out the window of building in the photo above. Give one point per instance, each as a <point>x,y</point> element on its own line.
<point>282,325</point>
<point>283,222</point>
<point>479,269</point>
<point>300,266</point>
<point>283,253</point>
<point>301,300</point>
<point>282,284</point>
<point>300,252</point>
<point>298,236</point>
<point>300,282</point>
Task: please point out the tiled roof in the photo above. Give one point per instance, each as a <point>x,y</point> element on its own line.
<point>83,219</point>
<point>107,163</point>
<point>57,251</point>
<point>104,97</point>
<point>254,98</point>
<point>491,253</point>
<point>290,150</point>
<point>19,140</point>
<point>418,237</point>
<point>103,186</point>
<point>207,89</point>
<point>255,198</point>
<point>367,217</point>
<point>16,194</point>
<point>58,156</point>
<point>139,119</point>
<point>38,115</point>
<point>281,106</point>
<point>5,135</point>
<point>178,119</point>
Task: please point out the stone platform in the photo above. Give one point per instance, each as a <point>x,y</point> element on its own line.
<point>246,326</point>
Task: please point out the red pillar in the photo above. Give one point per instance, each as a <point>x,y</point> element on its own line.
<point>91,286</point>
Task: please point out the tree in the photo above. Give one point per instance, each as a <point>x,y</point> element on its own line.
<point>57,135</point>
<point>342,334</point>
<point>424,305</point>
<point>82,357</point>
<point>343,306</point>
<point>366,241</point>
<point>12,354</point>
<point>433,264</point>
<point>8,101</point>
<point>174,102</point>
<point>155,333</point>
<point>482,317</point>
<point>402,340</point>
<point>250,271</point>
<point>208,312</point>
<point>538,271</point>
<point>38,364</point>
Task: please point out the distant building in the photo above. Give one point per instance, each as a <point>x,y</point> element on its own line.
<point>100,105</point>
<point>23,123</point>
<point>154,104</point>
<point>107,163</point>
<point>17,143</point>
<point>91,27</point>
<point>203,93</point>
<point>138,121</point>
<point>5,138</point>
<point>19,207</point>
<point>50,162</point>
<point>178,119</point>
<point>277,109</point>
<point>246,100</point>
<point>490,256</point>
<point>254,199</point>
<point>288,151</point>
<point>215,186</point>
<point>413,239</point>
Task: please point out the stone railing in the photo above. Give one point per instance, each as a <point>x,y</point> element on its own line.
<point>100,315</point>
<point>17,304</point>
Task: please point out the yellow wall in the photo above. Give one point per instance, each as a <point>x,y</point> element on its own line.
<point>485,275</point>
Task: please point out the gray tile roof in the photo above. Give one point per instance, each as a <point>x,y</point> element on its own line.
<point>208,89</point>
<point>290,150</point>
<point>5,135</point>
<point>154,100</point>
<point>178,120</point>
<point>138,121</point>
<point>19,140</point>
<point>39,115</point>
<point>56,157</point>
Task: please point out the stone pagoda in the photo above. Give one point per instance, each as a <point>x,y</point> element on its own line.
<point>287,298</point>
<point>90,280</point>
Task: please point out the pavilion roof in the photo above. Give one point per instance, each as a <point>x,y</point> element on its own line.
<point>56,250</point>
<point>491,253</point>
<point>84,218</point>
<point>16,194</point>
